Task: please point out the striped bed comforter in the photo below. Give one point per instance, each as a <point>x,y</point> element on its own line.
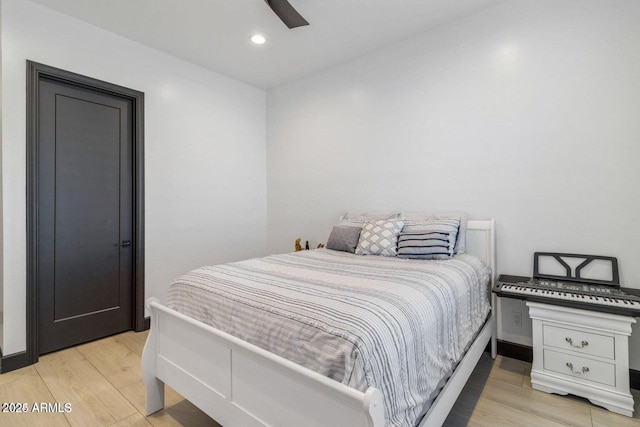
<point>396,324</point>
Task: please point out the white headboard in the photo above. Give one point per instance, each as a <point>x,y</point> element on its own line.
<point>481,242</point>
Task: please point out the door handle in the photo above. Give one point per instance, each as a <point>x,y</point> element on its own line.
<point>124,243</point>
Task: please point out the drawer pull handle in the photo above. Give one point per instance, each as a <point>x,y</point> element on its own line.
<point>585,369</point>
<point>582,344</point>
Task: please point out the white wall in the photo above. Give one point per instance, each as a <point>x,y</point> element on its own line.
<point>526,112</point>
<point>205,156</point>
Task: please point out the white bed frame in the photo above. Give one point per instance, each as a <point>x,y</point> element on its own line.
<point>241,385</point>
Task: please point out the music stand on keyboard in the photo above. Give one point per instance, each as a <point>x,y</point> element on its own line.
<point>575,274</point>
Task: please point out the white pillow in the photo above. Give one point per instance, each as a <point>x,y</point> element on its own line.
<point>358,218</point>
<point>379,237</point>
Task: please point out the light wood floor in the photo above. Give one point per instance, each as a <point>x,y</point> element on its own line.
<point>102,382</point>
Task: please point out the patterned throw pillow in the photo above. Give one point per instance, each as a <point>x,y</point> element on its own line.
<point>379,237</point>
<point>429,240</point>
<point>419,217</point>
<point>344,238</point>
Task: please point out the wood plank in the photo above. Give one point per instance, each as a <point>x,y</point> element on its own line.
<point>135,420</point>
<point>29,371</point>
<point>491,414</point>
<point>114,360</point>
<point>509,370</point>
<point>535,403</point>
<point>183,413</point>
<point>95,402</point>
<point>133,340</point>
<point>66,355</point>
<point>28,390</point>
<point>177,411</point>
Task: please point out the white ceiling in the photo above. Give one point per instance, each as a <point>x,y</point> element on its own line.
<point>215,33</point>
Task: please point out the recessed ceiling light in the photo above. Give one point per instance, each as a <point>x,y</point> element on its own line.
<point>258,39</point>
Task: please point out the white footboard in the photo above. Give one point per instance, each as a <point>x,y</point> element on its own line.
<point>239,384</point>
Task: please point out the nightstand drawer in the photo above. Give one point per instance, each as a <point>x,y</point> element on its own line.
<point>579,341</point>
<point>580,367</point>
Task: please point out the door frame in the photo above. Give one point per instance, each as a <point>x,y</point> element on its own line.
<point>35,71</point>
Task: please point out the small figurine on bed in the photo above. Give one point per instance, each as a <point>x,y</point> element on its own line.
<point>298,246</point>
<point>320,246</point>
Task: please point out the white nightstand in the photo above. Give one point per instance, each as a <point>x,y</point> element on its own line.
<point>582,352</point>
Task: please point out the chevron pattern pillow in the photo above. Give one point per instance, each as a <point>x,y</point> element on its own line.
<point>379,237</point>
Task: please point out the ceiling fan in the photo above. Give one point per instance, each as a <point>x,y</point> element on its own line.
<point>287,13</point>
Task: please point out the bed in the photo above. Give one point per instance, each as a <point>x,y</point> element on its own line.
<point>241,384</point>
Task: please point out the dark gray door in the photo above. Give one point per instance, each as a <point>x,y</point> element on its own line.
<point>85,215</point>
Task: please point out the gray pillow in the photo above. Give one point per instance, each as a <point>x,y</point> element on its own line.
<point>344,238</point>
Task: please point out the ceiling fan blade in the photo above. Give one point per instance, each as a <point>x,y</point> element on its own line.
<point>287,13</point>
